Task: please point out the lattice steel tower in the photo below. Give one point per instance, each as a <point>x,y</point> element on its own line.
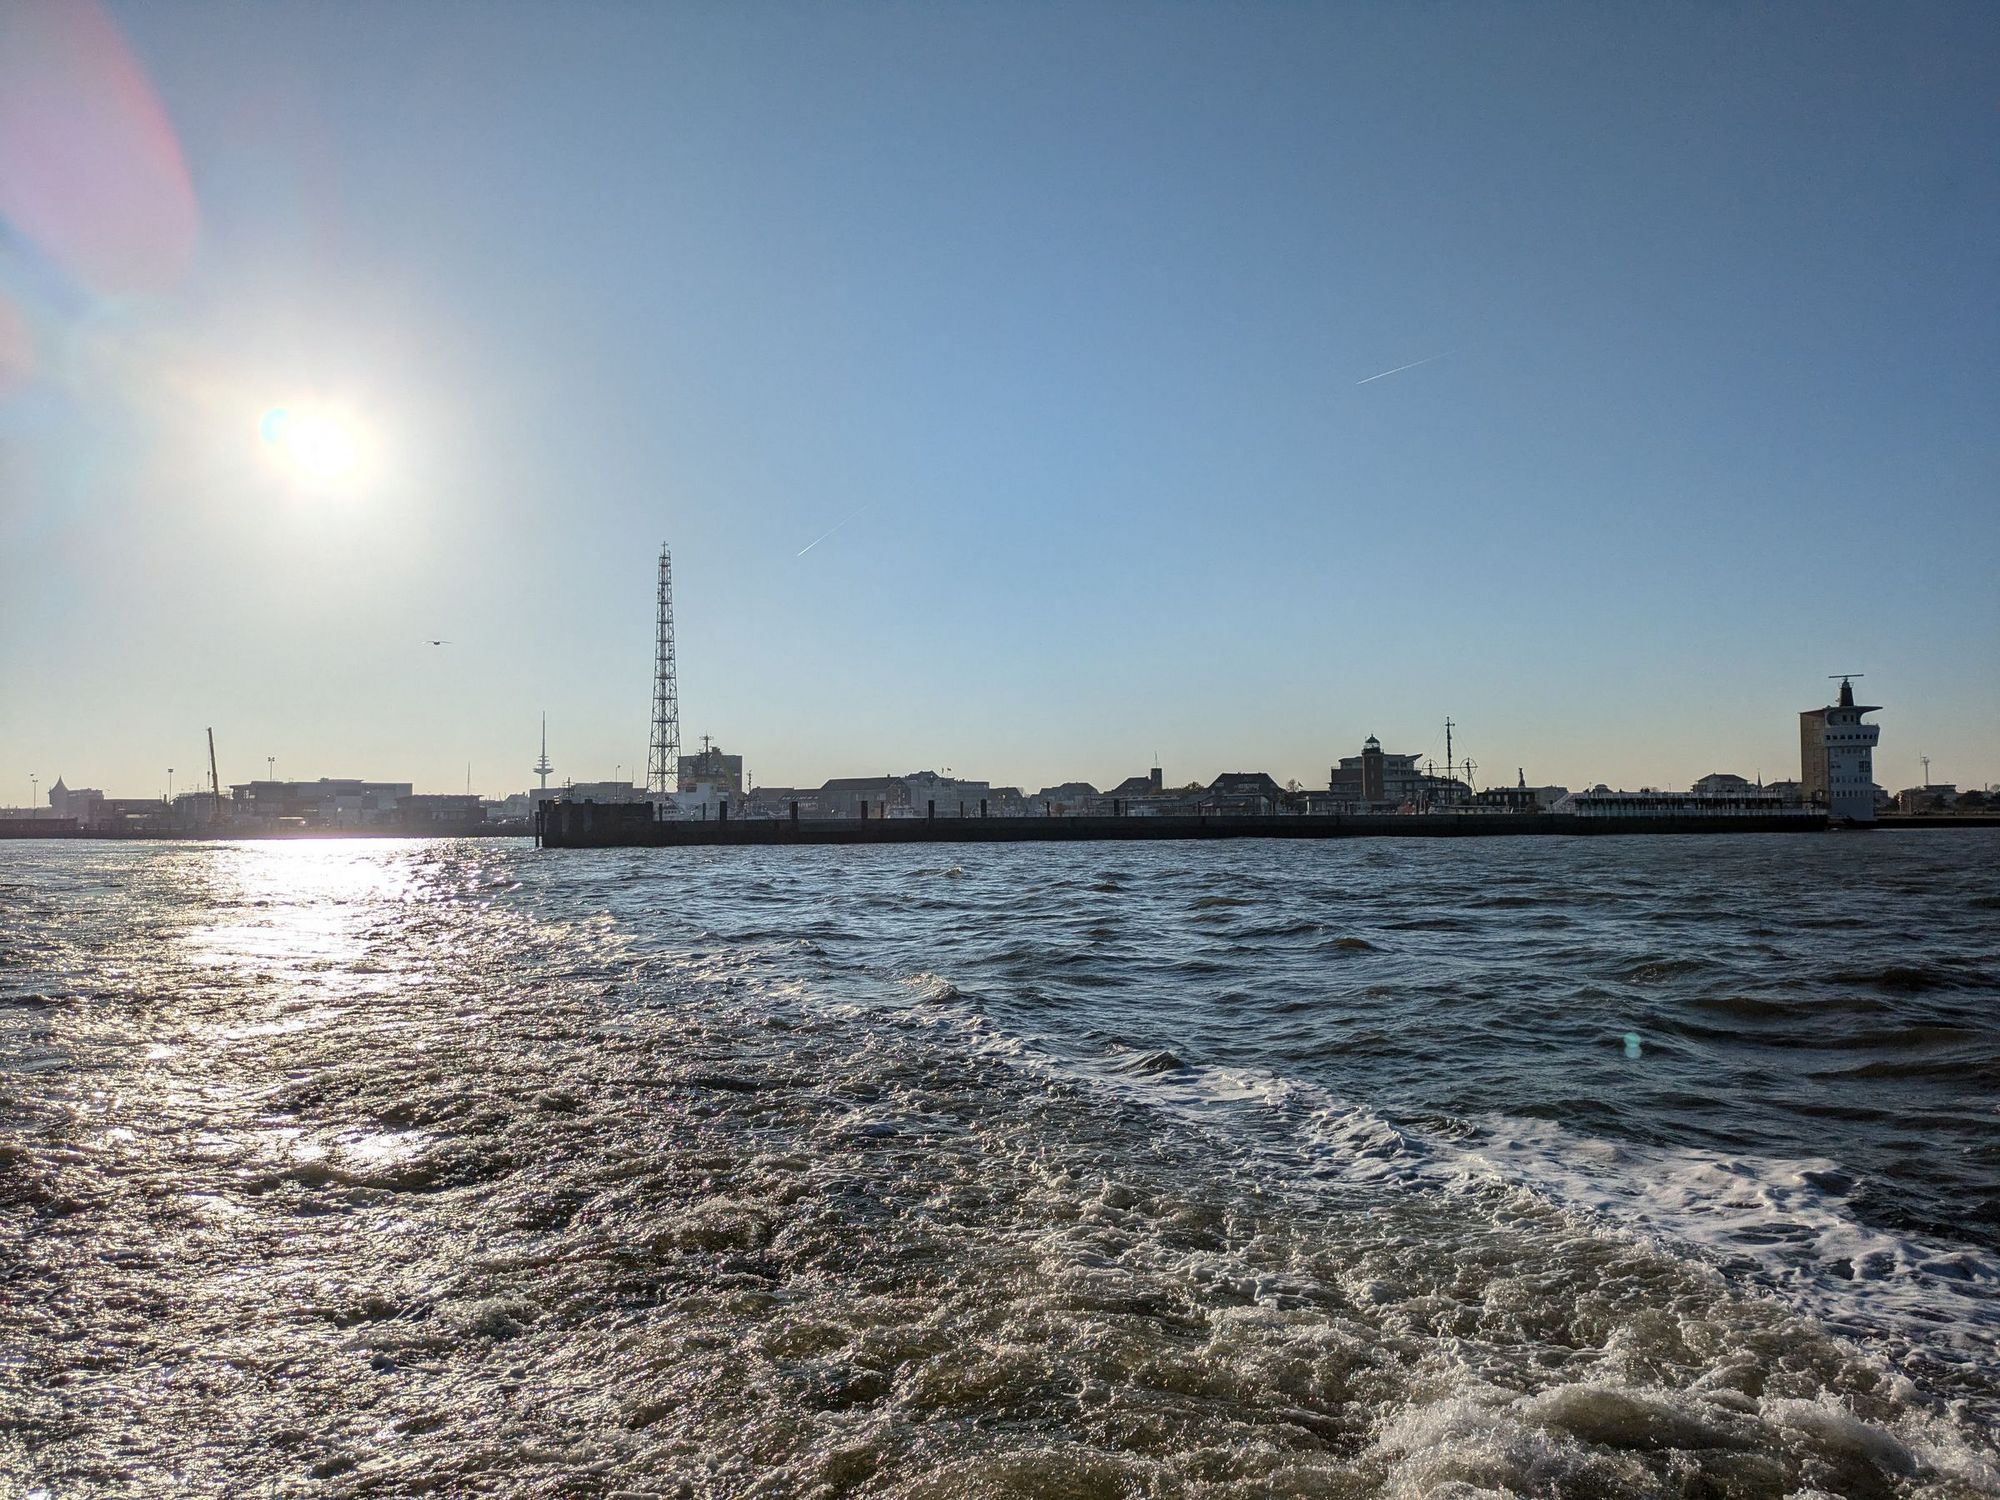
<point>663,759</point>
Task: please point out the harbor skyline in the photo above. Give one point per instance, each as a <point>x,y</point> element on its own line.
<point>1437,761</point>
<point>1689,751</point>
<point>1041,400</point>
<point>1835,779</point>
<point>1210,749</point>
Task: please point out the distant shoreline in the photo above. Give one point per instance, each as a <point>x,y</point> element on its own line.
<point>764,832</point>
<point>602,826</point>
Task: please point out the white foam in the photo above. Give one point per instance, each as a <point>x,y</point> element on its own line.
<point>1781,1222</point>
<point>1771,1224</point>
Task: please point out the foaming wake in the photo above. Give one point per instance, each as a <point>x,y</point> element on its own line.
<point>1774,1225</point>
<point>1781,1221</point>
<point>427,1170</point>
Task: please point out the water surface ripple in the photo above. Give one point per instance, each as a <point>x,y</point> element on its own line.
<point>1576,1168</point>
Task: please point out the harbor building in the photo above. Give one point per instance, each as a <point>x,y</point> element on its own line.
<point>912,795</point>
<point>1376,778</point>
<point>330,802</point>
<point>84,803</point>
<point>1072,797</point>
<point>1008,802</point>
<point>1240,792</point>
<point>1724,784</point>
<point>1601,802</point>
<point>1837,757</point>
<point>776,801</point>
<point>604,791</point>
<point>1149,796</point>
<point>709,767</point>
<point>704,799</point>
<point>88,810</point>
<point>1518,798</point>
<point>845,796</point>
<point>925,790</point>
<point>440,810</point>
<point>1931,797</point>
<point>1152,784</point>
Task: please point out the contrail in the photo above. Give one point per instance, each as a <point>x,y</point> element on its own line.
<point>1400,368</point>
<point>832,529</point>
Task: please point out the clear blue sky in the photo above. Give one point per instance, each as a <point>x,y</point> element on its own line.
<point>1076,302</point>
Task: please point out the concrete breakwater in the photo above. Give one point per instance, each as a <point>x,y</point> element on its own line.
<point>603,825</point>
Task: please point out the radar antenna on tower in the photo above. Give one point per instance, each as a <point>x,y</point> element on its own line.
<point>664,754</point>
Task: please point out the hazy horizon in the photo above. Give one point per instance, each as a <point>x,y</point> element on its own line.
<point>1044,393</point>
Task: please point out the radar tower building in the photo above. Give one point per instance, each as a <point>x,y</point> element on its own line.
<point>1837,756</point>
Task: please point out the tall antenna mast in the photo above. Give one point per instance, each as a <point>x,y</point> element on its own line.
<point>664,755</point>
<point>542,767</point>
<point>1447,750</point>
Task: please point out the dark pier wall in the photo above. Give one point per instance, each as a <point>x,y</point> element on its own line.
<point>586,825</point>
<point>38,828</point>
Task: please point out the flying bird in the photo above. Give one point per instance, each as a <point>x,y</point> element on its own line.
<point>440,643</point>
<point>1385,374</point>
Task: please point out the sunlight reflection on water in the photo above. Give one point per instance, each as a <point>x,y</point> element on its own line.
<point>300,906</point>
<point>415,1167</point>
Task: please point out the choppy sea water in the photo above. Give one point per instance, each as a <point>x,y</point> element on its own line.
<point>1608,1167</point>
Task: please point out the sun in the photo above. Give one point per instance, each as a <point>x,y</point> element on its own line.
<point>322,449</point>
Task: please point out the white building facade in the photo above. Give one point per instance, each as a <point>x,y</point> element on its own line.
<point>1839,758</point>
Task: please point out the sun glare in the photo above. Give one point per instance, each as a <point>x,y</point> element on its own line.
<point>322,449</point>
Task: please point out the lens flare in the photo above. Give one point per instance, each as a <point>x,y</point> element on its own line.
<point>90,171</point>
